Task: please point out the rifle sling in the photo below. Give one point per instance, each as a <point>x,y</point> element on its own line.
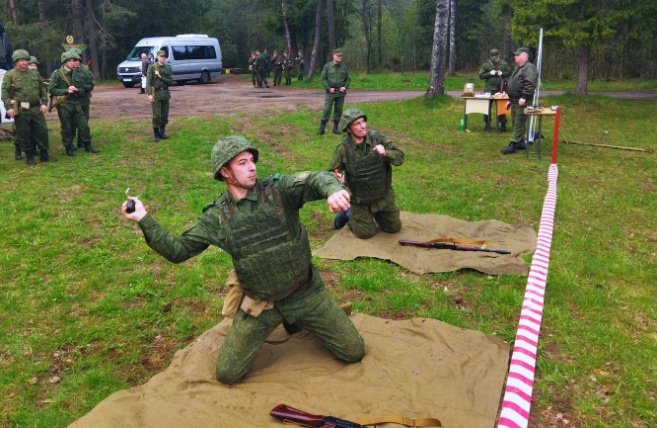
<point>402,420</point>
<point>482,244</point>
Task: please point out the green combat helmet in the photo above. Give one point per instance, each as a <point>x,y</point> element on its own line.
<point>69,55</point>
<point>226,149</point>
<point>34,60</point>
<point>20,54</point>
<point>350,116</point>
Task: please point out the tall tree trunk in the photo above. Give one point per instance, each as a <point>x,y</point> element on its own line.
<point>330,16</point>
<point>379,32</point>
<point>437,72</point>
<point>452,37</point>
<point>287,30</point>
<point>92,36</point>
<point>314,57</point>
<point>583,72</point>
<point>14,12</point>
<point>507,42</point>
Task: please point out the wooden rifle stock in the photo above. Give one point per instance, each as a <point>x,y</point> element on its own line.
<point>287,413</point>
<point>451,246</point>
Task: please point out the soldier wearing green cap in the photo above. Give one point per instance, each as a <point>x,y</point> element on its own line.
<point>363,161</point>
<point>522,85</point>
<point>25,99</point>
<point>159,77</point>
<point>88,81</point>
<point>69,87</point>
<point>335,79</point>
<point>493,72</point>
<point>257,222</point>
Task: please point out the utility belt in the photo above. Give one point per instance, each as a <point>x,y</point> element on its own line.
<point>19,106</point>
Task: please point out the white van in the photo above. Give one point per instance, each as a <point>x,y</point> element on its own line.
<point>191,57</point>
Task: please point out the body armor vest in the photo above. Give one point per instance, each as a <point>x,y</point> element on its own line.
<point>368,177</point>
<point>270,253</point>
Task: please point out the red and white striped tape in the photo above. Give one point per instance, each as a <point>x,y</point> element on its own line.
<point>520,382</point>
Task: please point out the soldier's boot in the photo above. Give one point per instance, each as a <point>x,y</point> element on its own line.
<point>266,85</point>
<point>30,158</point>
<point>89,149</point>
<point>341,219</point>
<point>156,133</point>
<point>511,148</point>
<point>521,145</point>
<point>18,155</point>
<point>502,127</point>
<point>322,127</point>
<point>163,136</point>
<point>45,157</point>
<point>335,127</point>
<point>80,144</point>
<point>487,123</point>
<point>70,151</point>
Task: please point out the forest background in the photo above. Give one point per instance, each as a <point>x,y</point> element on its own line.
<point>583,39</point>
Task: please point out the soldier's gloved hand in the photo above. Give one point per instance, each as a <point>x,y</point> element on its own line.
<point>139,212</point>
<point>339,201</point>
<point>493,72</point>
<point>521,102</point>
<point>499,72</point>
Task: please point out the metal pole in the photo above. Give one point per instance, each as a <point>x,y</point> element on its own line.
<point>539,62</point>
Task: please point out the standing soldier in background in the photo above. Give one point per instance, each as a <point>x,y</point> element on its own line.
<point>261,69</point>
<point>25,98</point>
<point>252,68</point>
<point>158,78</point>
<point>299,62</point>
<point>522,85</point>
<point>277,65</point>
<point>68,87</point>
<point>288,66</point>
<point>88,82</point>
<point>493,71</point>
<point>335,79</point>
<point>33,64</point>
<point>267,63</point>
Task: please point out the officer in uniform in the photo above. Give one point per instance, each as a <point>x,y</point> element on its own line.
<point>288,65</point>
<point>68,87</point>
<point>492,72</point>
<point>257,222</point>
<point>335,79</point>
<point>278,63</point>
<point>522,85</point>
<point>260,65</point>
<point>299,62</point>
<point>88,81</point>
<point>363,162</point>
<point>158,78</point>
<point>25,98</point>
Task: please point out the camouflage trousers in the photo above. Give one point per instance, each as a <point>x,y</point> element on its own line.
<point>278,76</point>
<point>365,219</point>
<point>86,107</point>
<point>311,307</point>
<point>31,132</point>
<point>71,116</point>
<point>519,123</point>
<point>333,102</point>
<point>160,112</point>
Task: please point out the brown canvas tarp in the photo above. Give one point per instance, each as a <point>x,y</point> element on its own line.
<point>519,239</point>
<point>415,368</point>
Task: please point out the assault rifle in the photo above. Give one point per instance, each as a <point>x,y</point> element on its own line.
<point>451,246</point>
<point>287,413</point>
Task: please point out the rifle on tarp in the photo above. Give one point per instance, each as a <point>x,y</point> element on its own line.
<point>450,246</point>
<point>287,413</point>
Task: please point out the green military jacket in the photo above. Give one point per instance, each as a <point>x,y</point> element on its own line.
<point>159,86</point>
<point>492,84</point>
<point>261,62</point>
<point>298,64</point>
<point>60,80</point>
<point>28,88</point>
<point>522,83</point>
<point>210,229</point>
<point>88,81</point>
<point>335,76</point>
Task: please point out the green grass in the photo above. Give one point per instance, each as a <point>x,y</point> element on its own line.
<point>88,309</point>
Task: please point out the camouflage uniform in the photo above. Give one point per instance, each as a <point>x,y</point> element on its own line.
<point>369,178</point>
<point>334,76</point>
<point>70,112</point>
<point>288,66</point>
<point>158,87</point>
<point>85,99</point>
<point>493,82</point>
<point>522,84</point>
<point>252,68</point>
<point>29,94</point>
<point>260,65</point>
<point>298,66</point>
<point>271,253</point>
<point>278,64</point>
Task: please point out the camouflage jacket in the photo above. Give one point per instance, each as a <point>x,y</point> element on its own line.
<point>29,88</point>
<point>493,82</point>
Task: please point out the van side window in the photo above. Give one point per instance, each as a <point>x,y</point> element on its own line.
<point>188,52</point>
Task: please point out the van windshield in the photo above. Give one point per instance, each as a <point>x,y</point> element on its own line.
<point>135,55</point>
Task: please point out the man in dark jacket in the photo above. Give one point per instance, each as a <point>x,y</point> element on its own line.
<point>522,85</point>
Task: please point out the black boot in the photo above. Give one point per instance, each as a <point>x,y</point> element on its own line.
<point>487,123</point>
<point>70,151</point>
<point>521,145</point>
<point>30,158</point>
<point>335,127</point>
<point>45,157</point>
<point>156,133</point>
<point>163,136</point>
<point>322,127</point>
<point>18,155</point>
<point>502,127</point>
<point>88,148</point>
<point>80,144</point>
<point>511,148</point>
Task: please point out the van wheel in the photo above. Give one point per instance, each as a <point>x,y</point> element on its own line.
<point>205,78</point>
<point>128,84</point>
